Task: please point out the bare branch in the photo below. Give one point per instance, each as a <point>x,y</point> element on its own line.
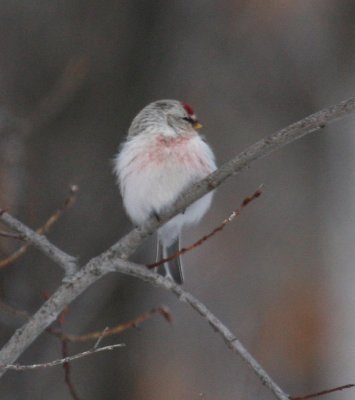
<point>68,203</point>
<point>139,271</point>
<point>68,263</point>
<point>108,261</point>
<point>65,353</point>
<point>134,323</point>
<point>10,235</point>
<point>18,367</point>
<point>99,339</point>
<point>219,228</point>
<point>67,372</point>
<point>14,311</point>
<point>324,392</point>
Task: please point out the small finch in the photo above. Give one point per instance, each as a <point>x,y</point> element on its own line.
<point>162,156</point>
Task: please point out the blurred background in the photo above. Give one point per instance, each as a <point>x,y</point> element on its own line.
<point>73,74</point>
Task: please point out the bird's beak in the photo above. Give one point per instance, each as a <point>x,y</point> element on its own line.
<point>197,125</point>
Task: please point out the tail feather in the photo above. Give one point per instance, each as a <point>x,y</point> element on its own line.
<point>172,268</point>
<point>160,255</point>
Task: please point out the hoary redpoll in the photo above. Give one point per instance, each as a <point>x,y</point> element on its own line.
<point>162,156</point>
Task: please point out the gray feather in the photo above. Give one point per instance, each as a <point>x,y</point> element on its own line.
<point>172,268</point>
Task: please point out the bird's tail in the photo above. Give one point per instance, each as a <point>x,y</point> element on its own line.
<point>172,268</point>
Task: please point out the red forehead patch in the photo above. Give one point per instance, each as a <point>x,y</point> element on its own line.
<point>188,108</point>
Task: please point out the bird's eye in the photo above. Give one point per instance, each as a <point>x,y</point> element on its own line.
<point>189,119</point>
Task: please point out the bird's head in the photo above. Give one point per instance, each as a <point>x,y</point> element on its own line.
<point>170,117</point>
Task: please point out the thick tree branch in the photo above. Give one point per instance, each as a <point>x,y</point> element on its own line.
<point>141,272</point>
<point>102,264</point>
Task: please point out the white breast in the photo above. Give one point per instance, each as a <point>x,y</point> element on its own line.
<point>154,170</point>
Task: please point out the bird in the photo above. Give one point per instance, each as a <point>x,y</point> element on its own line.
<point>161,157</point>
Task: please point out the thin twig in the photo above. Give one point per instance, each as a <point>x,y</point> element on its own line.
<point>32,237</point>
<point>67,371</point>
<point>61,361</point>
<point>114,330</point>
<point>108,260</point>
<point>67,368</point>
<point>98,336</point>
<point>11,236</point>
<point>323,392</point>
<point>65,352</point>
<point>99,339</point>
<point>219,228</point>
<point>67,204</point>
<point>14,311</point>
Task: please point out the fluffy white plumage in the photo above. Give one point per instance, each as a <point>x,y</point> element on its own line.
<point>162,156</point>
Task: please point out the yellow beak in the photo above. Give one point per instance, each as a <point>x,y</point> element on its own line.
<point>197,125</point>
